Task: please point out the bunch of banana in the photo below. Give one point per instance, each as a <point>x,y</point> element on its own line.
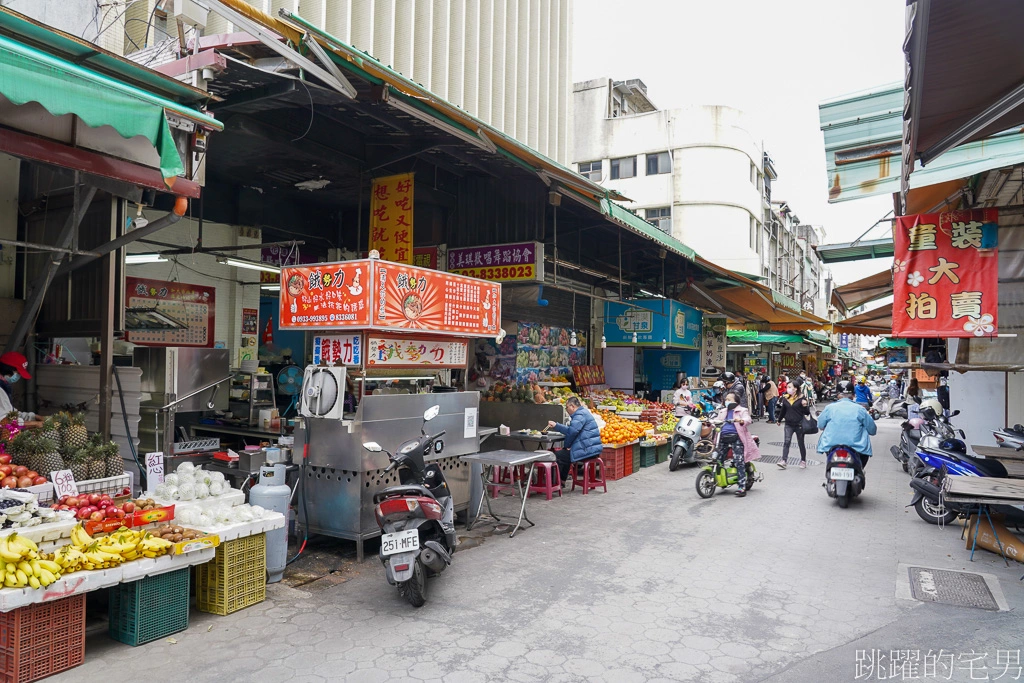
<point>100,559</point>
<point>20,564</point>
<point>80,538</point>
<point>70,559</point>
<point>154,546</point>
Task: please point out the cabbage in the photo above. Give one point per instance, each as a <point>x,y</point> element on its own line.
<point>188,515</point>
<point>242,513</point>
<point>202,491</point>
<point>216,476</point>
<point>162,490</point>
<point>171,479</point>
<point>223,515</point>
<point>216,488</point>
<point>203,519</point>
<point>187,492</point>
<point>186,468</point>
<point>257,511</point>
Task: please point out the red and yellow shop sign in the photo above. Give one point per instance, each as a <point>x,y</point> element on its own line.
<point>391,218</point>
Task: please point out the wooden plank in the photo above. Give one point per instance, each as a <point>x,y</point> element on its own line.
<point>998,453</point>
<point>984,487</point>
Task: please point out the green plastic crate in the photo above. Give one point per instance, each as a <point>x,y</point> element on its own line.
<point>151,608</point>
<point>235,578</point>
<point>636,457</point>
<point>662,452</point>
<point>648,455</point>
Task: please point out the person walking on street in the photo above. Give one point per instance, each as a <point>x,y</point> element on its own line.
<point>771,396</point>
<point>795,408</point>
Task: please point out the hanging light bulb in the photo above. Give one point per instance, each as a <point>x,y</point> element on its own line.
<point>572,338</point>
<point>604,342</point>
<point>664,344</point>
<point>634,337</point>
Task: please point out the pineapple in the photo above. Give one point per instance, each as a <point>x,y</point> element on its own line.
<point>97,464</point>
<point>114,463</point>
<point>49,458</point>
<point>20,446</point>
<point>73,434</point>
<point>78,463</point>
<point>50,430</point>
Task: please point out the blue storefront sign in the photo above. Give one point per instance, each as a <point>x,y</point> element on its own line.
<point>844,341</point>
<point>653,320</point>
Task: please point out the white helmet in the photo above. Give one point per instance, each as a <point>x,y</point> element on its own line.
<point>719,384</point>
<point>933,404</point>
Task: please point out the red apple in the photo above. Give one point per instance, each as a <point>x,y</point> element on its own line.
<point>63,500</point>
<point>82,514</point>
<point>5,459</point>
<point>63,507</point>
<point>110,513</point>
<point>24,482</point>
<point>97,516</point>
<point>120,513</point>
<point>126,491</point>
<point>20,471</point>
<point>9,482</point>
<point>39,480</point>
<point>32,473</point>
<point>6,470</point>
<point>94,499</point>
<point>128,507</point>
<point>72,501</point>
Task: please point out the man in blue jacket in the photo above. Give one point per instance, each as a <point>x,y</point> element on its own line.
<point>582,437</point>
<point>845,423</point>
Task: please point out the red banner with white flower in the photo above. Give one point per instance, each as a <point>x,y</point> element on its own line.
<point>946,274</point>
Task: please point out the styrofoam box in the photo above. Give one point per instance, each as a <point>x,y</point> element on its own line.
<point>273,520</point>
<point>86,581</point>
<point>233,498</point>
<point>42,533</point>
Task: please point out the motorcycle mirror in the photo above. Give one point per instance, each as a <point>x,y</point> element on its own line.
<point>431,412</point>
<point>954,413</point>
<point>372,446</point>
<point>963,435</point>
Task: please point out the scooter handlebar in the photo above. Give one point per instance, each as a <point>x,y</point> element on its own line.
<point>437,436</point>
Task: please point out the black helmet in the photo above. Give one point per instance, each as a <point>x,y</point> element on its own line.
<point>728,377</point>
<point>954,445</point>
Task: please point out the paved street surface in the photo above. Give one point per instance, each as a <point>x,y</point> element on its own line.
<point>646,582</point>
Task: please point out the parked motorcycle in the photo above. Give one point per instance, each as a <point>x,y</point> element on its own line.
<point>684,439</point>
<point>844,475</point>
<point>717,474</point>
<point>885,406</point>
<point>910,436</point>
<point>417,518</point>
<point>934,509</point>
<point>1010,437</point>
<point>937,436</point>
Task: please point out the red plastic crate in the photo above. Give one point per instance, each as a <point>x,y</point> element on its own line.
<point>41,640</point>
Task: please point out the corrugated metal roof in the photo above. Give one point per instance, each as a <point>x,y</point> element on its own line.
<point>839,253</point>
<point>863,133</point>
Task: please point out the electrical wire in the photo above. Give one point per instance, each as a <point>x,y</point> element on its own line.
<point>312,112</point>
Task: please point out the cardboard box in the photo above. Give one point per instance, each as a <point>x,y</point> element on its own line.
<point>182,547</point>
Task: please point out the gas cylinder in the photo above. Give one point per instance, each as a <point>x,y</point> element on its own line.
<point>272,493</point>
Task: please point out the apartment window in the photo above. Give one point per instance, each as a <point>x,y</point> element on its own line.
<point>753,173</point>
<point>760,182</point>
<point>755,233</point>
<point>661,217</point>
<point>623,168</point>
<point>659,163</point>
<point>591,170</point>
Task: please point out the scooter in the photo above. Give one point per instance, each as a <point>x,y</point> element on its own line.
<point>686,435</point>
<point>716,474</point>
<point>886,406</point>
<point>844,475</point>
<point>937,436</point>
<point>928,502</point>
<point>1010,437</point>
<point>417,518</point>
<point>912,432</point>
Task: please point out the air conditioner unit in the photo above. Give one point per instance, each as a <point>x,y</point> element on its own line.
<point>323,392</point>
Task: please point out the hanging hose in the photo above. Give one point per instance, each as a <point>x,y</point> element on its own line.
<point>128,432</point>
<point>302,494</point>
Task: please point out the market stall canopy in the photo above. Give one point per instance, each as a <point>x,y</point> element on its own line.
<point>777,310</point>
<point>893,343</point>
<point>855,294</point>
<point>956,95</point>
<point>862,135</point>
<point>756,337</point>
<point>875,321</point>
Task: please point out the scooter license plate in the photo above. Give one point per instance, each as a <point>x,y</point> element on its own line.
<point>843,473</point>
<point>399,542</point>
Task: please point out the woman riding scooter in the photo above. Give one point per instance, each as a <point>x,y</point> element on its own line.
<point>736,436</point>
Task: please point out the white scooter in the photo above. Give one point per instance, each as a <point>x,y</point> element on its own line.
<point>684,441</point>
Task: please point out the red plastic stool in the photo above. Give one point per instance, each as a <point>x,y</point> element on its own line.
<point>591,477</point>
<point>506,475</point>
<point>548,479</point>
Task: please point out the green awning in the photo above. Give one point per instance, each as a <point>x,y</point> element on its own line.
<point>755,337</point>
<point>637,224</point>
<point>893,343</point>
<point>824,347</point>
<point>29,75</point>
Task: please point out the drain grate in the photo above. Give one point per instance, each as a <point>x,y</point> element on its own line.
<point>962,589</point>
<point>773,459</point>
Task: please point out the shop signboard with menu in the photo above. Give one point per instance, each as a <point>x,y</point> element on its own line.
<point>375,294</point>
<point>383,351</point>
<point>191,305</point>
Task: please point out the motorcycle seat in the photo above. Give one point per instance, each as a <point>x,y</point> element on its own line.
<point>914,435</point>
<point>1017,428</point>
<point>991,468</point>
<point>403,489</point>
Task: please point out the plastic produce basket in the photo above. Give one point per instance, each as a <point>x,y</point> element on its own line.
<point>614,462</point>
<point>151,608</point>
<point>42,640</point>
<point>662,452</point>
<point>236,578</point>
<point>648,455</point>
<point>636,458</point>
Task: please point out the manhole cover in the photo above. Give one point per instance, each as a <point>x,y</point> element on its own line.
<point>962,589</point>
